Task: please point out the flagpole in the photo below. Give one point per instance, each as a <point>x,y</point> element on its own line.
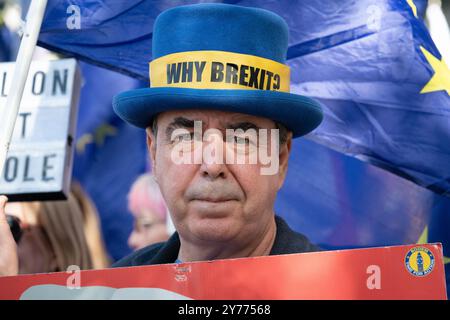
<point>30,35</point>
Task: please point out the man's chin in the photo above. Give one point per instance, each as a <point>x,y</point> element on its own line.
<point>212,210</point>
<point>215,229</point>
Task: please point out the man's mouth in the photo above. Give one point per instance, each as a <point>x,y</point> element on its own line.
<point>213,200</point>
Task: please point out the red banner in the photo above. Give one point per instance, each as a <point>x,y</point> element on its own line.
<point>398,272</point>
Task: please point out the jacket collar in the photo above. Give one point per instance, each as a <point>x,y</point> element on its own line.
<point>286,241</point>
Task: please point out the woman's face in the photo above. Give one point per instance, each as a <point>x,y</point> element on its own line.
<point>34,250</point>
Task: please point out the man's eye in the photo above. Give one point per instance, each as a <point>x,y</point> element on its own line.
<point>241,140</point>
<point>185,137</point>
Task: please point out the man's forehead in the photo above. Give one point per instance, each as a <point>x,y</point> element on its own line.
<point>214,118</point>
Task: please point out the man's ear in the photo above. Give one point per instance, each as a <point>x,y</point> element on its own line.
<point>151,145</point>
<point>285,150</point>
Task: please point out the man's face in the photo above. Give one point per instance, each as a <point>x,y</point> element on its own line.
<point>215,201</point>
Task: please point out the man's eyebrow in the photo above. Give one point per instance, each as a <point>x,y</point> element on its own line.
<point>245,125</point>
<point>179,122</point>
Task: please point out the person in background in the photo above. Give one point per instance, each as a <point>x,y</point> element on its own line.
<point>58,234</point>
<point>149,210</point>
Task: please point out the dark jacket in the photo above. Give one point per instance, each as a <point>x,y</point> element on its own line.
<point>286,241</point>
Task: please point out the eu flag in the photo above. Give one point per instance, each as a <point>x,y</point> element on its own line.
<point>371,63</point>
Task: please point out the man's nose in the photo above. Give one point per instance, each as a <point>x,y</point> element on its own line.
<point>213,171</point>
<point>213,162</point>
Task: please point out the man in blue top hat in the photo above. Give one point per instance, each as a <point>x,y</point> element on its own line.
<point>219,94</point>
<point>219,101</point>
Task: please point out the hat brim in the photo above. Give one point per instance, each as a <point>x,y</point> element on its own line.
<point>298,113</point>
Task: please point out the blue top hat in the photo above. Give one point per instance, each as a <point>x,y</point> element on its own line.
<point>219,56</point>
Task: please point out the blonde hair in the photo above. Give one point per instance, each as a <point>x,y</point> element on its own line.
<point>62,222</point>
<point>72,230</point>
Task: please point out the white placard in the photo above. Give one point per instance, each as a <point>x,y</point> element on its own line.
<point>39,162</point>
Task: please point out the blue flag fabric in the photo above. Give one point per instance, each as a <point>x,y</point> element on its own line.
<point>421,7</point>
<point>8,44</point>
<point>109,154</point>
<point>371,63</point>
<point>385,92</point>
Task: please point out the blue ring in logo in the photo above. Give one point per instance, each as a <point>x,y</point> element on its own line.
<point>419,261</point>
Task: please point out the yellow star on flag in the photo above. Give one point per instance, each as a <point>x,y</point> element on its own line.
<point>423,239</point>
<point>83,141</point>
<point>441,77</point>
<point>102,132</point>
<point>413,7</point>
<point>98,137</point>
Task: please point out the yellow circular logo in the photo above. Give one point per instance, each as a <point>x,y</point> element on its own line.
<point>419,261</point>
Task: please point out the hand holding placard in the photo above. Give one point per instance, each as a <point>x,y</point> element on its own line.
<point>9,264</point>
